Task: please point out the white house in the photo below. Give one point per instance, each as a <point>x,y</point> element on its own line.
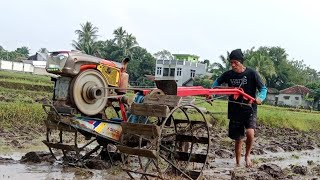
<point>181,70</point>
<point>294,96</point>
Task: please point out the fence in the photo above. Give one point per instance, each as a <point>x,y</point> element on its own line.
<point>22,67</point>
<point>16,66</point>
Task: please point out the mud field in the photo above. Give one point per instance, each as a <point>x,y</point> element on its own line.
<point>277,154</point>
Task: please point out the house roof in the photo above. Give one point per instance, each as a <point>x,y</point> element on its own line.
<point>273,91</point>
<point>35,57</point>
<point>298,89</point>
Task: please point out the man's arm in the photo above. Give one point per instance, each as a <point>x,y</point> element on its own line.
<point>261,88</point>
<point>262,95</point>
<point>220,80</point>
<point>215,84</point>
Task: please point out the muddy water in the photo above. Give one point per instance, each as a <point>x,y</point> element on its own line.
<point>219,168</point>
<point>11,168</point>
<point>292,155</point>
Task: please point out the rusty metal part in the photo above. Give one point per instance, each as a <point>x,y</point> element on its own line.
<point>169,87</point>
<point>62,139</point>
<point>87,90</point>
<point>170,143</point>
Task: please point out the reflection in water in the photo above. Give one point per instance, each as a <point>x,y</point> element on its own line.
<point>15,170</point>
<point>219,168</point>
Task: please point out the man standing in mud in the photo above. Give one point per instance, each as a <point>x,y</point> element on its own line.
<point>241,115</point>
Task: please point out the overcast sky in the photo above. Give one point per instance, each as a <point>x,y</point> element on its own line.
<point>208,28</point>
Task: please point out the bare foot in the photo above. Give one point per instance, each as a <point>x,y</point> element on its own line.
<point>249,163</point>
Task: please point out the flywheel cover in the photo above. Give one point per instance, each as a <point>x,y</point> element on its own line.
<point>87,81</point>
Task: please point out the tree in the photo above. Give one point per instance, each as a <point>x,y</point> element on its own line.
<point>130,42</point>
<point>278,56</point>
<point>202,81</point>
<point>219,68</point>
<point>163,55</point>
<point>23,51</point>
<point>142,63</point>
<point>261,62</point>
<point>87,37</point>
<point>315,87</point>
<point>120,36</point>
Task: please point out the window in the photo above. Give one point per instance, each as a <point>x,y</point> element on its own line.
<point>193,73</point>
<point>179,71</point>
<point>159,70</point>
<point>168,71</point>
<point>172,70</point>
<point>165,71</point>
<point>297,98</point>
<point>286,97</point>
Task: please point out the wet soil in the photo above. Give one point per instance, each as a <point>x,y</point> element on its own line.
<point>277,154</point>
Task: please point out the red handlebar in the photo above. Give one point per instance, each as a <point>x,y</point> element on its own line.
<point>199,90</point>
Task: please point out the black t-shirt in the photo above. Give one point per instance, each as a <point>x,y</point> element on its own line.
<point>249,81</point>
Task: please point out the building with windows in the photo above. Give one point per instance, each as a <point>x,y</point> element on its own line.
<point>294,96</point>
<point>183,68</point>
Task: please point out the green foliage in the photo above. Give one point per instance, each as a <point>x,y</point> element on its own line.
<point>203,81</point>
<point>142,63</point>
<point>17,55</point>
<point>315,87</point>
<point>163,55</point>
<point>217,68</point>
<point>261,62</point>
<point>24,51</point>
<point>87,36</point>
<point>274,67</point>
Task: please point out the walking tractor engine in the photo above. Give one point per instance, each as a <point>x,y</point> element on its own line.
<point>161,134</point>
<point>82,86</point>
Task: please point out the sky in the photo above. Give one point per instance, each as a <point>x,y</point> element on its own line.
<point>207,28</point>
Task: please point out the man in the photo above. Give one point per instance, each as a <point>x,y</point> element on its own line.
<point>242,116</point>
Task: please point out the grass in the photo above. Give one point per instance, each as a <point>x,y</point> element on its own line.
<point>18,116</point>
<point>19,93</point>
<point>25,77</point>
<point>272,116</point>
<point>284,118</point>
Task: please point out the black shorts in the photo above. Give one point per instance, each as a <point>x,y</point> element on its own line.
<point>238,124</point>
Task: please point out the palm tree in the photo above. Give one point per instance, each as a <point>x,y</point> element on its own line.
<point>87,37</point>
<point>262,64</point>
<point>120,36</point>
<point>129,43</point>
<point>218,68</point>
